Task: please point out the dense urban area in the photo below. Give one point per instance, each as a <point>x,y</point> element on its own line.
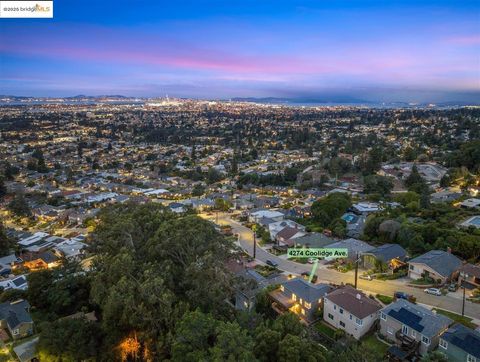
<point>160,229</point>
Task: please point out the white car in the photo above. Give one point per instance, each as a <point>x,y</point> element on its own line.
<point>433,291</point>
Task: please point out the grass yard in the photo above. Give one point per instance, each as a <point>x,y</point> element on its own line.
<point>326,330</point>
<point>374,345</point>
<point>467,322</point>
<point>385,299</point>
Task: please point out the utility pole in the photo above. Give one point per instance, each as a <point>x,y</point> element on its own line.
<point>462,284</point>
<point>356,271</point>
<point>254,228</point>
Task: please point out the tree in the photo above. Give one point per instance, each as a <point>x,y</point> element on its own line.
<point>325,210</point>
<point>19,206</point>
<point>377,184</point>
<point>3,188</point>
<point>68,340</point>
<point>435,356</point>
<point>232,344</point>
<point>5,242</point>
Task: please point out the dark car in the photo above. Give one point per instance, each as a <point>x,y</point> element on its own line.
<point>401,295</point>
<point>271,263</point>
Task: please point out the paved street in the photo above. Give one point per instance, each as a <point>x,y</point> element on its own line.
<point>451,302</point>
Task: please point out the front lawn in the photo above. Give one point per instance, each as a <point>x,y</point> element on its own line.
<point>375,346</point>
<point>467,322</point>
<point>385,299</point>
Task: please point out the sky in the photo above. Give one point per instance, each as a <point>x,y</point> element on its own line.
<point>415,51</point>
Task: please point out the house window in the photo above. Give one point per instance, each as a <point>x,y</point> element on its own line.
<point>308,305</point>
<point>412,267</point>
<point>470,358</point>
<point>334,307</point>
<point>383,316</point>
<point>405,330</point>
<point>303,311</point>
<point>414,334</point>
<point>389,330</point>
<point>294,297</point>
<point>359,321</point>
<point>443,343</point>
<point>15,331</point>
<point>282,288</point>
<point>425,340</point>
<point>342,324</point>
<point>301,301</point>
<point>330,316</point>
<point>341,310</point>
<point>245,304</point>
<point>351,317</point>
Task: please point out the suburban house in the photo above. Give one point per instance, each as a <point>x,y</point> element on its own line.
<point>16,318</point>
<point>470,275</point>
<point>18,282</point>
<point>351,310</point>
<point>300,297</point>
<point>413,328</point>
<point>288,234</point>
<point>43,260</point>
<point>365,208</point>
<point>393,255</point>
<point>271,214</point>
<point>313,240</point>
<point>470,204</point>
<point>460,343</point>
<point>436,264</point>
<point>445,196</point>
<point>275,227</point>
<point>355,247</point>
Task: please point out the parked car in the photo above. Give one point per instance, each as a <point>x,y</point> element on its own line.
<point>403,295</point>
<point>271,263</point>
<point>311,260</point>
<point>453,287</point>
<point>366,277</point>
<point>433,291</point>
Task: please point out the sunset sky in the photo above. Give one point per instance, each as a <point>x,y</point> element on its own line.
<point>368,50</point>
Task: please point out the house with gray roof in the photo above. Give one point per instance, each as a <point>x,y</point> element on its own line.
<point>313,240</point>
<point>405,323</point>
<point>355,247</point>
<point>436,264</point>
<point>15,317</point>
<point>460,344</point>
<point>391,254</point>
<point>301,297</point>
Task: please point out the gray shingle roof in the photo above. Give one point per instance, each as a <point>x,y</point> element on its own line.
<point>420,319</point>
<point>388,252</point>
<point>354,246</point>
<point>305,290</point>
<point>15,313</point>
<point>464,338</point>
<point>314,240</point>
<point>442,262</point>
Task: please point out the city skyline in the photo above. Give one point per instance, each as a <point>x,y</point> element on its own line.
<point>364,51</point>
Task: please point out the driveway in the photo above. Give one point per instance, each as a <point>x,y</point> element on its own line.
<point>448,302</point>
